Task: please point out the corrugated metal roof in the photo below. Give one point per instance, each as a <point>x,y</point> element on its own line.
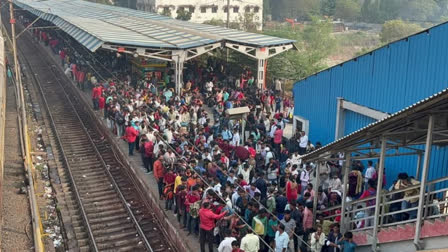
<point>94,24</point>
<point>397,117</point>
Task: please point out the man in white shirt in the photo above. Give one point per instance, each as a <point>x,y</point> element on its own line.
<point>370,172</point>
<point>226,244</point>
<point>236,138</point>
<point>303,142</point>
<point>281,239</point>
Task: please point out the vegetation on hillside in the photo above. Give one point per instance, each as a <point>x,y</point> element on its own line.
<point>371,11</point>
<point>397,29</point>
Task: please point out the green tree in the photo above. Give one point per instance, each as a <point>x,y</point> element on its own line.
<point>327,7</point>
<point>296,9</point>
<point>166,12</point>
<point>219,22</point>
<point>246,22</point>
<point>420,11</point>
<point>314,44</point>
<point>397,29</point>
<point>305,9</point>
<point>182,14</point>
<point>348,10</point>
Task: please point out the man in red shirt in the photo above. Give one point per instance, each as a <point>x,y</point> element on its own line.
<point>168,179</point>
<point>278,137</point>
<point>190,200</point>
<point>101,102</point>
<point>62,56</point>
<point>96,93</point>
<point>148,153</point>
<point>206,225</point>
<point>159,172</point>
<point>131,137</point>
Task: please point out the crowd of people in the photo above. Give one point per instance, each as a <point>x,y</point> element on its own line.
<point>237,183</point>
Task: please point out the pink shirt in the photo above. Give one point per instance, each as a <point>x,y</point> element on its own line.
<point>278,135</point>
<point>307,218</point>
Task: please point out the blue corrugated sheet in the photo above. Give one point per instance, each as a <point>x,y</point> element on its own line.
<point>387,79</point>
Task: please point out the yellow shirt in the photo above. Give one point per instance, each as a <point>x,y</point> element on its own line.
<point>250,243</point>
<point>177,182</point>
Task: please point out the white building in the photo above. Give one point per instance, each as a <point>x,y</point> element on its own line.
<point>206,10</point>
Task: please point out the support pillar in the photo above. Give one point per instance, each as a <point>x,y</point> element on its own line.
<point>344,191</point>
<point>421,199</point>
<point>261,54</point>
<point>261,74</point>
<point>316,189</point>
<point>340,120</point>
<point>379,192</point>
<point>179,57</point>
<point>419,160</point>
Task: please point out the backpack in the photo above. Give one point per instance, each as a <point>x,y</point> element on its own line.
<point>259,227</point>
<point>120,119</point>
<point>194,209</point>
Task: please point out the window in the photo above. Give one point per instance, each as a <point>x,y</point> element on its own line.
<point>166,9</point>
<point>203,10</point>
<point>247,9</point>
<point>214,9</point>
<point>256,9</point>
<point>191,9</point>
<point>181,9</point>
<point>225,9</point>
<point>236,9</point>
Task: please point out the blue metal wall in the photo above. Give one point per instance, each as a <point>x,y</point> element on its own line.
<point>388,79</point>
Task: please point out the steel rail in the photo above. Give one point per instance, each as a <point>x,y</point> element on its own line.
<point>57,134</point>
<point>116,188</point>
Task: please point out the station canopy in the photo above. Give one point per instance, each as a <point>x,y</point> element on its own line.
<point>94,25</point>
<point>405,128</point>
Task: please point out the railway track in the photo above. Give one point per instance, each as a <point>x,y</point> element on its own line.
<point>107,208</point>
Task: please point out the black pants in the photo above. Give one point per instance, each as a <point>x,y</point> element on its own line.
<point>306,235</point>
<point>302,151</point>
<point>95,103</point>
<point>206,236</point>
<point>160,187</point>
<point>147,161</point>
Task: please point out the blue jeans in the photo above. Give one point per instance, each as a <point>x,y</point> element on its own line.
<point>413,213</point>
<point>131,148</point>
<point>193,224</point>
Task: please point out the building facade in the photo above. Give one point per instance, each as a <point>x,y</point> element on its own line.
<point>206,10</point>
<point>351,95</point>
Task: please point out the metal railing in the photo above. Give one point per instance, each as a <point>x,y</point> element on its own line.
<point>392,217</point>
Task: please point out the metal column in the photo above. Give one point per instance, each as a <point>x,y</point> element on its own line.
<point>316,189</point>
<point>261,74</point>
<point>344,191</point>
<point>418,224</point>
<point>419,160</point>
<point>179,58</point>
<point>340,119</point>
<point>379,191</point>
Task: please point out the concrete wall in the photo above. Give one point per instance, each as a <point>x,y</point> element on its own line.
<point>205,10</point>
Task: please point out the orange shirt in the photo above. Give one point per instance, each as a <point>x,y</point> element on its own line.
<point>190,182</point>
<point>158,169</point>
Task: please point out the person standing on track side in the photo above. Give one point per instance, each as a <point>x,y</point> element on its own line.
<point>159,173</point>
<point>96,93</point>
<point>147,149</point>
<point>131,137</point>
<point>207,224</point>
